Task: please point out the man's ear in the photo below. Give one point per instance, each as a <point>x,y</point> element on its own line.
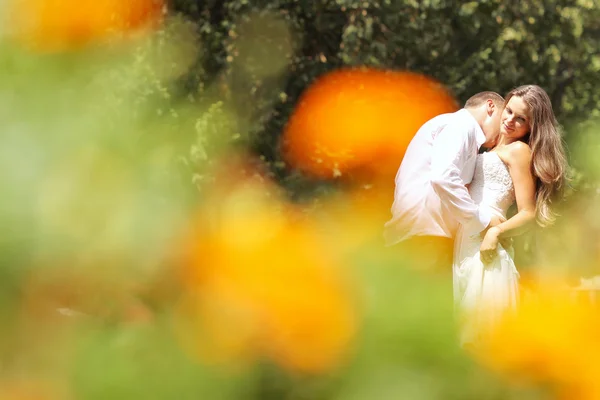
<point>491,107</point>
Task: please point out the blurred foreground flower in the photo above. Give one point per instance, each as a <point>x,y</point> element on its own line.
<point>263,285</point>
<point>352,219</point>
<point>83,289</point>
<point>31,390</point>
<point>361,119</point>
<point>65,24</point>
<point>553,339</point>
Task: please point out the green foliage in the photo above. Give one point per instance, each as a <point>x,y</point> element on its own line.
<point>469,46</point>
<point>88,148</point>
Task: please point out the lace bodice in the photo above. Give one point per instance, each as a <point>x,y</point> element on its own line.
<point>492,184</point>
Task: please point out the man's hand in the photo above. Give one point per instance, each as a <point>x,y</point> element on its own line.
<point>489,245</point>
<point>496,220</point>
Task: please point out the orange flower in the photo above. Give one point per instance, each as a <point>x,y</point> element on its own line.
<point>552,339</point>
<point>261,283</point>
<point>361,119</point>
<point>64,24</point>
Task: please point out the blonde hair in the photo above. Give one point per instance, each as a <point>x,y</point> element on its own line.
<point>548,159</point>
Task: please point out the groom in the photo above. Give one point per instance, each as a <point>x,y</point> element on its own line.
<point>431,197</point>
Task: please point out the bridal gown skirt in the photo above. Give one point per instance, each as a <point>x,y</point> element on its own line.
<point>483,293</point>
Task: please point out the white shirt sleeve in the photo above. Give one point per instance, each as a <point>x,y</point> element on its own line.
<point>451,150</point>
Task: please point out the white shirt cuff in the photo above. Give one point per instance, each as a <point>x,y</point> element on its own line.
<point>484,218</point>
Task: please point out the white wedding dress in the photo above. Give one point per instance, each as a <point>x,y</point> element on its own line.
<point>484,292</point>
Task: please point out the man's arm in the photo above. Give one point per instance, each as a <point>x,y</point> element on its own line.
<point>451,150</point>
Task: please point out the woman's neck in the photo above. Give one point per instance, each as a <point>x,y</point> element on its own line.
<point>504,141</point>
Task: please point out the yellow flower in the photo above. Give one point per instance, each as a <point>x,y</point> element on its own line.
<point>65,24</point>
<point>552,339</point>
<point>262,284</point>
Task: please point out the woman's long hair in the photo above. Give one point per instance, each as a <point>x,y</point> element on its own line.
<point>548,159</point>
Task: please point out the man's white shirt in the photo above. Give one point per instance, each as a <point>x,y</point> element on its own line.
<point>431,197</point>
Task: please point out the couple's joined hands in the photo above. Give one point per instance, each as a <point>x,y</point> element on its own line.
<point>491,237</point>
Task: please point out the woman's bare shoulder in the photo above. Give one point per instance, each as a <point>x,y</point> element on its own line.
<point>516,154</point>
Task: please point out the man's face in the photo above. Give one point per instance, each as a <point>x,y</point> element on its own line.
<point>491,126</point>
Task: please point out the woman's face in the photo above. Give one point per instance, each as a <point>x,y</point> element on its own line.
<point>515,119</point>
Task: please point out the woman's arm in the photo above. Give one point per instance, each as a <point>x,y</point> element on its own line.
<point>518,159</point>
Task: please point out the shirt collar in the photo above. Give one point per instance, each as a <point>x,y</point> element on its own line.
<point>479,135</point>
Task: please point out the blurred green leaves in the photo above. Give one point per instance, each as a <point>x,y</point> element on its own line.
<point>102,153</point>
<point>469,46</point>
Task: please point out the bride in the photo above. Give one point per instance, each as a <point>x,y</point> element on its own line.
<point>527,166</point>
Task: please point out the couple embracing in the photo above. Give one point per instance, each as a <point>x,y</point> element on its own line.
<point>451,198</point>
